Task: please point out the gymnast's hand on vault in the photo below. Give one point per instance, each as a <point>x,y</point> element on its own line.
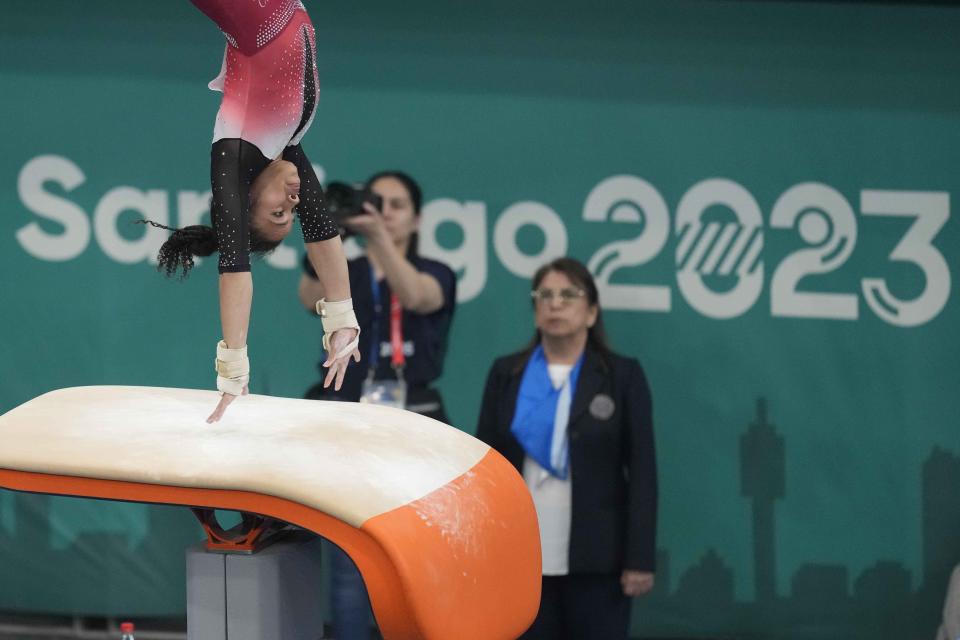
<point>225,400</point>
<point>338,357</point>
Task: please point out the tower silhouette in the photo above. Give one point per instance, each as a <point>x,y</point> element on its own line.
<point>762,479</point>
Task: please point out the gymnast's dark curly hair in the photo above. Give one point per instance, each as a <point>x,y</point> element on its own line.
<point>199,240</point>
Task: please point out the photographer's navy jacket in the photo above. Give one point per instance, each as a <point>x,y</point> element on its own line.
<point>424,335</point>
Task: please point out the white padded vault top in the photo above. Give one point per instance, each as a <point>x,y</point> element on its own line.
<point>349,460</point>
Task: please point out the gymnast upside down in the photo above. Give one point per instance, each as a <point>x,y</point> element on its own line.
<point>260,179</point>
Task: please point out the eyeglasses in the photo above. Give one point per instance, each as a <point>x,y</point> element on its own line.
<point>566,296</point>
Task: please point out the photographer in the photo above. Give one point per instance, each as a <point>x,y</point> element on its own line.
<point>392,272</point>
<point>400,298</point>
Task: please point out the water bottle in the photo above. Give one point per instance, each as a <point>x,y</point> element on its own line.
<point>126,631</point>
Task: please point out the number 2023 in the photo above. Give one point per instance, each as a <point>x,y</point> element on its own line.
<point>822,217</point>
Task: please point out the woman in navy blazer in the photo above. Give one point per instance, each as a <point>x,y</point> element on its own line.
<point>597,505</point>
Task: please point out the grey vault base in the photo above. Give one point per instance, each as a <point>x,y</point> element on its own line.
<point>274,594</point>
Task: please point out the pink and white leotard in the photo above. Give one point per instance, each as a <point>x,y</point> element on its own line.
<point>269,84</point>
<point>269,76</point>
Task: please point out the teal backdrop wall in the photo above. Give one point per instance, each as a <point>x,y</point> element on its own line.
<point>764,189</point>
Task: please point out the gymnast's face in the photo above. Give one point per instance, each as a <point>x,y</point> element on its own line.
<point>563,310</point>
<point>273,195</point>
<point>399,217</point>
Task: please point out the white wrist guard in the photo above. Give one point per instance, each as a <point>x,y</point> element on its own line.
<point>233,369</point>
<point>335,316</point>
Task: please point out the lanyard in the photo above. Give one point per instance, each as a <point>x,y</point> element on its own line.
<point>398,360</point>
<point>375,329</point>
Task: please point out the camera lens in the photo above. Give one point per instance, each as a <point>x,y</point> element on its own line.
<point>341,203</point>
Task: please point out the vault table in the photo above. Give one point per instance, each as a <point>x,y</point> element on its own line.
<point>441,526</point>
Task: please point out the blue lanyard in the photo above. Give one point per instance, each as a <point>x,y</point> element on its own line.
<point>375,329</point>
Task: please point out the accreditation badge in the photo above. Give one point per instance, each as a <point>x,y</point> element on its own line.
<point>388,393</point>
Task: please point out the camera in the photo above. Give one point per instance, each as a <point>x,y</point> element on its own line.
<point>344,201</point>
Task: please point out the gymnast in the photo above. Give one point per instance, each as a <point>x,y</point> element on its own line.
<point>261,179</point>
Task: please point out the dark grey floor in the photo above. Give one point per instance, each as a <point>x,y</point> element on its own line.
<point>37,627</point>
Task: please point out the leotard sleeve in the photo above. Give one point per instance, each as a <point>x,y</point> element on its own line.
<point>234,163</point>
<point>315,223</point>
